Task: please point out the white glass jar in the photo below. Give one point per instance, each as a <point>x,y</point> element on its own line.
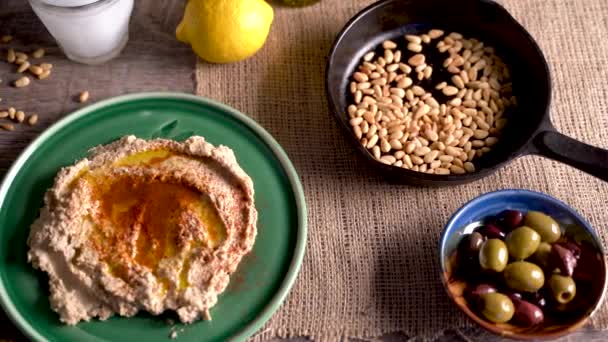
<point>88,31</point>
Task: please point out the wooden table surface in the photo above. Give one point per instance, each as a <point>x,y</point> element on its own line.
<point>152,61</point>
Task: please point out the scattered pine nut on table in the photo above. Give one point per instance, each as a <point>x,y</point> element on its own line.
<point>84,96</point>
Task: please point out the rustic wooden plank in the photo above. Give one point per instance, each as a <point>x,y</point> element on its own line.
<point>152,61</point>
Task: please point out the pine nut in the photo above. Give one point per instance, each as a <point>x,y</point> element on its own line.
<point>413,38</point>
<point>421,151</point>
<point>10,56</point>
<point>414,47</point>
<point>36,70</point>
<point>491,141</point>
<point>7,127</point>
<point>458,82</point>
<point>389,44</point>
<point>358,132</point>
<point>397,135</point>
<point>373,129</point>
<point>425,38</point>
<point>376,152</point>
<point>452,151</point>
<point>416,60</point>
<point>397,56</point>
<point>457,170</point>
<point>421,67</point>
<point>22,82</point>
<point>416,160</point>
<point>45,74</point>
<point>360,77</point>
<point>392,68</point>
<point>368,56</point>
<point>469,167</point>
<point>471,155</point>
<point>24,66</point>
<point>478,144</point>
<point>396,144</point>
<point>358,95</point>
<point>432,102</point>
<point>407,161</point>
<point>446,158</point>
<point>39,53</point>
<point>21,56</point>
<point>3,114</point>
<point>384,145</point>
<point>405,68</point>
<point>418,91</point>
<point>431,135</point>
<point>449,90</point>
<point>428,71</point>
<point>19,116</point>
<point>431,156</point>
<point>435,33</point>
<point>372,141</point>
<point>364,127</point>
<point>480,134</point>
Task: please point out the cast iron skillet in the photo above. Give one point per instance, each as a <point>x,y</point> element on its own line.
<point>529,129</point>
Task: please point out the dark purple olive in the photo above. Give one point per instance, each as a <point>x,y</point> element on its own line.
<point>589,265</point>
<point>475,242</point>
<point>491,231</point>
<point>481,289</point>
<point>572,247</point>
<point>510,219</point>
<point>526,313</point>
<point>468,269</point>
<point>512,294</point>
<point>563,259</point>
<point>537,298</point>
<point>470,244</point>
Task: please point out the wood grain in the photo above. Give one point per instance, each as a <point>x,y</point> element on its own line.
<point>152,61</point>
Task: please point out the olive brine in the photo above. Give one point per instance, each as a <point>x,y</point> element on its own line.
<point>521,268</point>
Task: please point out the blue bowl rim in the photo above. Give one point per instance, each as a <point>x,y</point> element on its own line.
<point>505,192</point>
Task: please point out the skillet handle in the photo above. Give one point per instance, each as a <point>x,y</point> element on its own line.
<point>590,159</point>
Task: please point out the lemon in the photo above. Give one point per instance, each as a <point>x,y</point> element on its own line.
<point>224,31</point>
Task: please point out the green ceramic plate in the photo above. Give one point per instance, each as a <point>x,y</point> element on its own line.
<point>262,280</point>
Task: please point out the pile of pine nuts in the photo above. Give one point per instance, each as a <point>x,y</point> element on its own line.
<point>402,124</point>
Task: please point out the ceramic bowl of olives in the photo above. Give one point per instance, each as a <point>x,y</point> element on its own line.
<point>523,264</point>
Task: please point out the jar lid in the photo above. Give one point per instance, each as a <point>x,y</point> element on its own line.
<point>68,3</point>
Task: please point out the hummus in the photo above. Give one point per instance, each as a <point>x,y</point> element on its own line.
<point>144,225</point>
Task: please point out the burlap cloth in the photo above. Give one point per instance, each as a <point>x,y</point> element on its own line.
<point>371,263</point>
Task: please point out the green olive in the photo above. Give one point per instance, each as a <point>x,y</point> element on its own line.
<point>522,242</point>
<point>563,288</point>
<point>497,307</point>
<point>493,255</point>
<point>542,254</point>
<point>524,276</point>
<point>544,225</point>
